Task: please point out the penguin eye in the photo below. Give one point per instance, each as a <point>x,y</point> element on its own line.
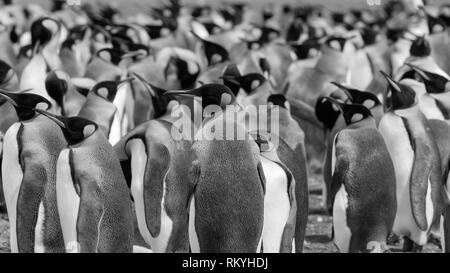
<point>357,118</point>
<point>369,104</point>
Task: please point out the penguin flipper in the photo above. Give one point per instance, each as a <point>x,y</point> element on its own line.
<point>421,175</point>
<point>289,229</point>
<point>155,173</point>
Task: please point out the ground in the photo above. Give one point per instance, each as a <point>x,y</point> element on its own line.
<point>318,235</point>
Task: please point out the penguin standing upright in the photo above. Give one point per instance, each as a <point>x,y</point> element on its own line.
<point>364,197</point>
<point>222,216</point>
<point>159,165</point>
<point>417,166</point>
<point>93,198</point>
<point>31,149</point>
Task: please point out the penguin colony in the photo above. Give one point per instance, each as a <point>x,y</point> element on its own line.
<point>90,163</point>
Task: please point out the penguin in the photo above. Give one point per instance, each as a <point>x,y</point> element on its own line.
<point>364,198</point>
<point>8,77</point>
<point>92,195</point>
<point>159,166</point>
<point>435,100</point>
<point>417,166</point>
<point>31,149</point>
<point>365,98</point>
<point>63,91</point>
<point>292,153</point>
<point>100,108</point>
<point>224,174</point>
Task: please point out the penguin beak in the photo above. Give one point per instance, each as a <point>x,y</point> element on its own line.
<point>231,79</point>
<point>146,84</point>
<point>58,120</point>
<point>346,90</point>
<point>393,84</point>
<point>131,55</point>
<point>419,71</point>
<point>184,94</point>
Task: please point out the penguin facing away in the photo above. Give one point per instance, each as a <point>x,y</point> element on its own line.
<point>417,165</point>
<point>364,197</point>
<point>93,198</point>
<point>31,150</point>
<point>224,175</point>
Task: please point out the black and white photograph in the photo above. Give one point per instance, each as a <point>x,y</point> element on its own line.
<point>232,127</point>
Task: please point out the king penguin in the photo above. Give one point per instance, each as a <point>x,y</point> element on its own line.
<point>159,166</point>
<point>31,149</point>
<point>92,195</point>
<point>226,207</point>
<point>417,166</point>
<point>364,197</point>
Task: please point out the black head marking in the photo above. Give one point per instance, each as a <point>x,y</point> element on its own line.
<point>155,31</point>
<point>26,51</point>
<point>158,95</point>
<point>211,94</point>
<point>435,25</point>
<point>251,82</point>
<point>25,103</point>
<point>369,36</point>
<point>303,50</point>
<point>326,114</point>
<point>341,41</point>
<point>402,96</point>
<point>40,35</point>
<point>278,100</point>
<point>186,79</point>
<point>395,34</point>
<point>434,83</point>
<point>212,28</point>
<point>56,85</point>
<point>5,69</point>
<point>420,47</point>
<point>265,65</point>
<point>268,34</point>
<point>113,56</point>
<point>231,78</point>
<point>212,49</point>
<point>352,113</point>
<point>358,96</point>
<point>106,90</point>
<point>295,30</point>
<point>74,128</point>
<point>68,44</point>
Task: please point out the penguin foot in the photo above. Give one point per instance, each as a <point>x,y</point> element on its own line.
<point>432,239</point>
<point>411,246</point>
<point>393,239</point>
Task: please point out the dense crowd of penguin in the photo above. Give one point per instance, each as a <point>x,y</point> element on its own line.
<point>89,158</point>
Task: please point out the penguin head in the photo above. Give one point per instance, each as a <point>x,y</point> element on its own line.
<point>268,34</point>
<point>435,25</point>
<point>307,49</point>
<point>215,53</point>
<point>57,84</point>
<point>75,129</point>
<point>43,30</point>
<point>399,96</point>
<point>434,83</point>
<point>336,43</point>
<point>420,47</point>
<point>279,100</point>
<point>229,77</point>
<point>367,99</point>
<point>6,72</point>
<point>369,36</point>
<point>186,78</point>
<point>211,95</point>
<point>110,55</point>
<point>25,104</point>
<point>162,103</point>
<point>108,89</point>
<point>353,113</point>
<point>327,113</point>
